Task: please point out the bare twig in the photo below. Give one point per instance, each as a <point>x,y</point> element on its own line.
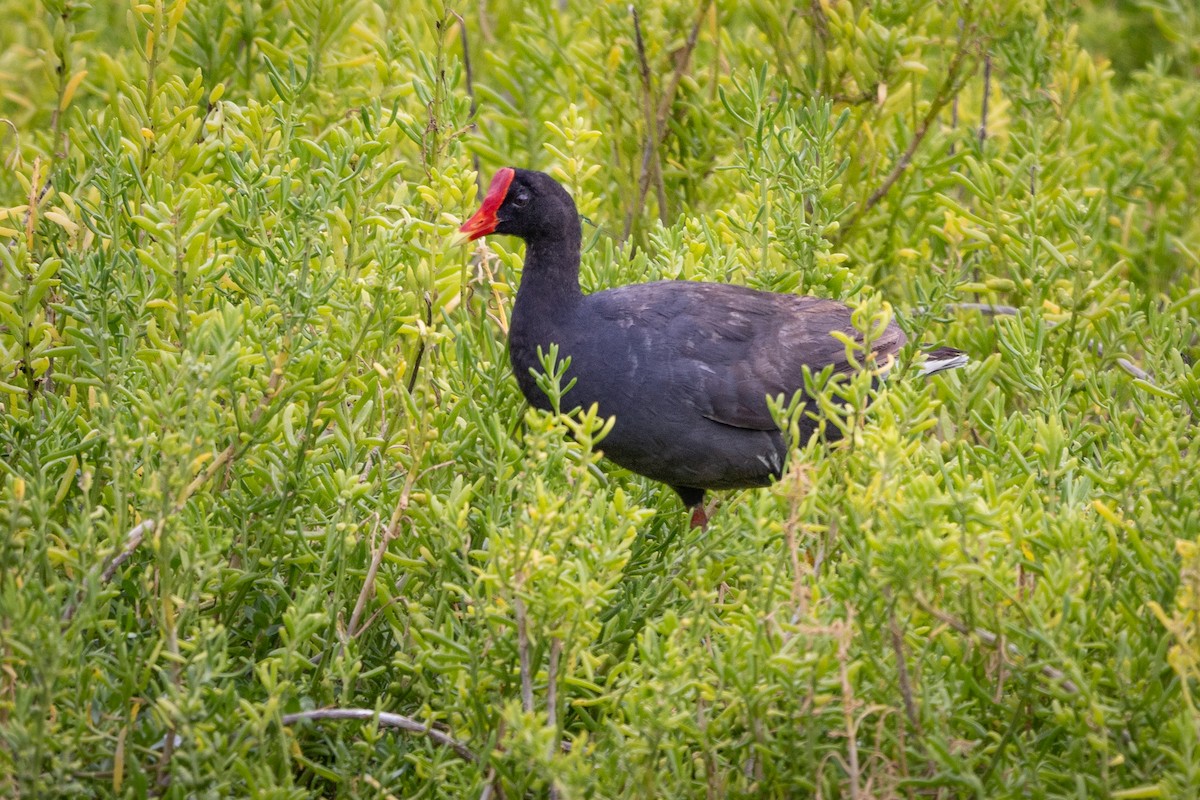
<point>992,640</point>
<point>682,60</point>
<point>132,540</point>
<point>651,168</point>
<point>910,707</point>
<point>990,309</point>
<point>987,87</point>
<point>556,647</point>
<point>135,536</point>
<point>416,367</point>
<point>386,719</point>
<point>368,586</point>
<point>656,120</point>
<point>954,127</point>
<point>393,530</point>
<point>462,27</point>
<point>163,778</point>
<point>946,93</point>
<point>800,593</point>
<point>1133,369</point>
<point>399,588</point>
<point>843,650</point>
<point>523,655</point>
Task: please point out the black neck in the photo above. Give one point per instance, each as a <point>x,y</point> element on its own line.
<point>551,271</point>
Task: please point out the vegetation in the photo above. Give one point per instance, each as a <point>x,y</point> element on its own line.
<point>261,453</point>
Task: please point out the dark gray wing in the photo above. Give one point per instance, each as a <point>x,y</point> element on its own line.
<point>729,347</point>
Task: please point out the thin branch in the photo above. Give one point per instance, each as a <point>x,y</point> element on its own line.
<point>843,656</point>
<point>556,648</point>
<point>393,531</point>
<point>462,27</point>
<point>656,120</point>
<point>946,93</point>
<point>416,367</point>
<point>651,168</point>
<point>992,640</point>
<point>368,587</point>
<point>910,707</point>
<point>132,540</point>
<point>379,611</point>
<point>1134,369</point>
<point>388,720</point>
<point>987,87</point>
<point>991,309</point>
<point>800,593</point>
<point>682,60</point>
<point>523,655</point>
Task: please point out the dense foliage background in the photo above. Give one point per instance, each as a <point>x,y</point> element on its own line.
<point>261,452</point>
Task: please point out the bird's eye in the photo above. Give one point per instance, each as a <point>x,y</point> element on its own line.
<point>520,199</point>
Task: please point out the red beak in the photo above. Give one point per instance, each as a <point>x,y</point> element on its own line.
<point>484,221</point>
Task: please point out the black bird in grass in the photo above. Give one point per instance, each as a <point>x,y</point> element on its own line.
<point>684,367</point>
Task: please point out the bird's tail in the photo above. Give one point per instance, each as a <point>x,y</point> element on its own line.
<point>943,358</point>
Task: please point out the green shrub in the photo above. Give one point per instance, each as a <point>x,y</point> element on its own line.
<point>262,455</point>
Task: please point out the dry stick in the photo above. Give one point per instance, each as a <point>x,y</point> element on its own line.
<point>650,165</point>
<point>992,640</point>
<point>138,533</point>
<point>990,309</point>
<point>556,648</point>
<point>848,704</point>
<point>523,655</point>
<point>393,530</point>
<point>682,59</point>
<point>416,368</point>
<point>462,27</point>
<point>492,784</point>
<point>368,586</point>
<point>983,121</point>
<point>387,719</point>
<point>799,595</point>
<point>1133,369</point>
<point>987,85</point>
<point>910,707</point>
<point>954,105</point>
<point>132,540</point>
<point>944,95</point>
<point>714,83</point>
<point>953,125</point>
<point>656,123</point>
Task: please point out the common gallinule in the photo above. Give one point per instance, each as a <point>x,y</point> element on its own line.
<point>684,367</point>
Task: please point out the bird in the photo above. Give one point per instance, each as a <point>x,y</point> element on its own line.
<point>684,367</point>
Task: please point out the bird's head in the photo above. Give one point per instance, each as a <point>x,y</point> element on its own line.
<point>529,205</point>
